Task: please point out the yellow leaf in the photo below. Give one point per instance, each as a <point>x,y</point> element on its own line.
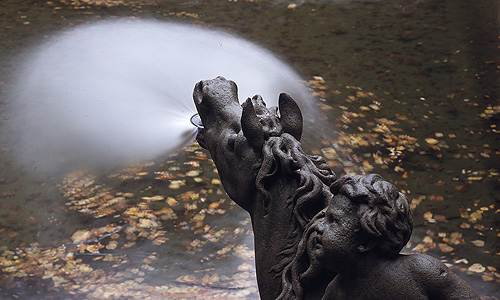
<point>193,173</point>
<point>431,141</point>
<point>171,201</point>
<point>464,225</point>
<point>159,240</point>
<point>80,236</point>
<point>92,248</point>
<point>478,243</point>
<point>144,223</point>
<point>477,268</point>
<point>477,215</point>
<point>487,277</point>
<point>445,248</point>
<point>175,184</point>
<point>427,239</point>
<point>245,267</point>
<point>214,205</point>
<point>112,245</point>
<point>199,217</point>
<point>440,218</point>
<point>329,153</point>
<point>186,279</point>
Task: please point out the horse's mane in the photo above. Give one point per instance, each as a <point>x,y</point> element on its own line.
<point>283,156</point>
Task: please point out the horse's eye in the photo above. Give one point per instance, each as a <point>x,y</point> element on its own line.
<point>329,217</point>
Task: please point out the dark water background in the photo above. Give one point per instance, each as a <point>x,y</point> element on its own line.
<point>429,66</point>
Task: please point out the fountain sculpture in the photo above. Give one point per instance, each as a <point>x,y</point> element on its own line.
<point>316,236</point>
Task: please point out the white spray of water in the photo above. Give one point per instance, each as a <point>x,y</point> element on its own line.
<point>121,91</point>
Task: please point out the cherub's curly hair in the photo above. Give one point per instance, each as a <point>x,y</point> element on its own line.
<point>383,212</point>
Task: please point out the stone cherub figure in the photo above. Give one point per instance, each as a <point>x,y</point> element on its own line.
<point>358,236</point>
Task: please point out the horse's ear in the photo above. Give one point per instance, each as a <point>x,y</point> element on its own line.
<point>291,117</point>
<point>251,126</point>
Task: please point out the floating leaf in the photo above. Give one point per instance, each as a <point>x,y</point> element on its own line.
<point>445,248</point>
<point>171,201</point>
<point>159,240</point>
<point>145,223</point>
<point>112,245</point>
<point>193,173</point>
<point>487,277</point>
<point>478,243</point>
<point>440,218</point>
<point>186,279</point>
<point>427,239</point>
<point>175,184</point>
<point>462,261</point>
<point>80,236</point>
<point>431,141</point>
<point>477,268</point>
<point>330,153</point>
<point>245,267</point>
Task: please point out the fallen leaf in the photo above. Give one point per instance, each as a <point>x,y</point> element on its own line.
<point>80,236</point>
<point>428,215</point>
<point>477,268</point>
<point>487,277</point>
<point>431,141</point>
<point>112,245</point>
<point>445,248</point>
<point>478,243</point>
<point>171,201</point>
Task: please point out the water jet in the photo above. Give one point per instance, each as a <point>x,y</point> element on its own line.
<point>116,92</point>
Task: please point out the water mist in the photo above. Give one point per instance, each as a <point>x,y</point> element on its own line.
<point>116,92</point>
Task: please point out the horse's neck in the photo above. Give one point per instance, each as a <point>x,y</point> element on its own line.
<point>272,223</point>
<point>272,213</point>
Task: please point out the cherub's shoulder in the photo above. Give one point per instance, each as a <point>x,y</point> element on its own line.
<point>419,268</point>
<point>423,263</point>
<point>436,279</point>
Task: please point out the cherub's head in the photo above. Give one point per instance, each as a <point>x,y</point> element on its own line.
<point>366,214</point>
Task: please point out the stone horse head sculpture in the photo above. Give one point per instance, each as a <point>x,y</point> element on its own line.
<point>264,170</point>
<point>316,236</point>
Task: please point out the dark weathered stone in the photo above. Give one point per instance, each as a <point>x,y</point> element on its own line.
<point>316,236</point>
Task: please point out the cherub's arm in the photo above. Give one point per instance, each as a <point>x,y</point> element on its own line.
<point>441,283</point>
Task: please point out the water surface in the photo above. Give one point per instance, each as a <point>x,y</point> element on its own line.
<point>409,89</point>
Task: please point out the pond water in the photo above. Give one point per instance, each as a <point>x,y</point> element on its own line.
<point>407,89</point>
